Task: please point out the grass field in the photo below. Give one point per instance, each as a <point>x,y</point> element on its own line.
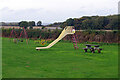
<point>61,61</point>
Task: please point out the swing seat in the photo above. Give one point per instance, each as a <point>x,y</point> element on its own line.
<point>21,40</point>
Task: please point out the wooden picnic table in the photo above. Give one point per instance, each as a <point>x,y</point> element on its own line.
<point>92,49</point>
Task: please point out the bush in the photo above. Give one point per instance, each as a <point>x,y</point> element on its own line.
<point>82,36</point>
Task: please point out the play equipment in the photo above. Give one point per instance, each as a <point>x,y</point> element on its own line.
<point>67,30</point>
<point>74,41</point>
<point>13,33</point>
<point>25,34</point>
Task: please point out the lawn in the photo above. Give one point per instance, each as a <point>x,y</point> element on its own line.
<point>61,61</point>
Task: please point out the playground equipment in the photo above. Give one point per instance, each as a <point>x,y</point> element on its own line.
<point>12,33</point>
<point>74,41</point>
<point>25,34</point>
<point>67,30</point>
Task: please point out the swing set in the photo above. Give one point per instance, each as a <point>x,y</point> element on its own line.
<point>22,33</point>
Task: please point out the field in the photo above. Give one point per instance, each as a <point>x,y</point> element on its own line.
<point>61,61</point>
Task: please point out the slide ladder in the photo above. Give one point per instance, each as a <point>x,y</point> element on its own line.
<point>74,41</point>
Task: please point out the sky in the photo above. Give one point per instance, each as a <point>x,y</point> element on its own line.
<point>50,11</point>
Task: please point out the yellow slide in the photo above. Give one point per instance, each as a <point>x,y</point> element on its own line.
<point>67,30</point>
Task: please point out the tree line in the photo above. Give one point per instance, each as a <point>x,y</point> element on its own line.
<point>24,24</point>
<point>84,23</point>
<point>91,22</point>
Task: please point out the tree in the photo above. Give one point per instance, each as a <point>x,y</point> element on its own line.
<point>39,23</point>
<point>78,23</point>
<point>23,24</point>
<point>101,22</point>
<point>114,23</point>
<point>70,22</point>
<point>63,25</point>
<point>43,27</point>
<point>86,24</point>
<point>31,24</point>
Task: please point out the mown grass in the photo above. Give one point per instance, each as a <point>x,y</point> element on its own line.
<point>61,61</point>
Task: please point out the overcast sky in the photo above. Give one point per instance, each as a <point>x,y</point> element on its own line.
<point>49,11</point>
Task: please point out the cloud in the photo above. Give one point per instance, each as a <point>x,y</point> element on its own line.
<point>54,10</point>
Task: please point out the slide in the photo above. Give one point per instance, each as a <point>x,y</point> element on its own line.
<point>67,30</point>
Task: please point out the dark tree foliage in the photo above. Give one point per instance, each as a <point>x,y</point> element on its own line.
<point>43,27</point>
<point>70,22</point>
<point>24,24</point>
<point>56,24</point>
<point>31,24</point>
<point>93,22</point>
<point>39,23</point>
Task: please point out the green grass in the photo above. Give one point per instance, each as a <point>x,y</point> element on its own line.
<point>61,61</point>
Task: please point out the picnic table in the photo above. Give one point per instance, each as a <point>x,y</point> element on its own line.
<point>92,49</point>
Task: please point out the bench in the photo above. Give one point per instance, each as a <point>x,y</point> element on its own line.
<point>96,47</point>
<point>88,46</point>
